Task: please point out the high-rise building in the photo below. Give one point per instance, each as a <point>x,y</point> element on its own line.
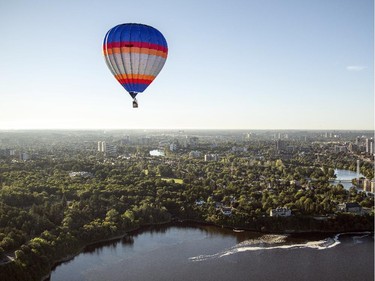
<point>24,156</point>
<point>368,185</point>
<point>173,146</point>
<point>106,148</point>
<point>125,140</point>
<point>280,145</point>
<point>353,147</point>
<point>370,146</point>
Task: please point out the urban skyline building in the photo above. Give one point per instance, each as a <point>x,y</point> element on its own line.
<point>106,148</point>
<point>370,145</point>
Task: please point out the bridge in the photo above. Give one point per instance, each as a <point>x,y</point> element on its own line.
<point>341,181</point>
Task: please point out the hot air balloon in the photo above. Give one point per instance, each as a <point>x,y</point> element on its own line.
<point>135,54</point>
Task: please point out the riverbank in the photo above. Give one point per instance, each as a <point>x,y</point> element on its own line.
<point>195,222</point>
<point>110,239</point>
<point>172,251</point>
<point>72,256</point>
<point>286,231</point>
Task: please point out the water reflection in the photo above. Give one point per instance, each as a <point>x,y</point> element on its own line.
<point>112,244</point>
<point>188,252</point>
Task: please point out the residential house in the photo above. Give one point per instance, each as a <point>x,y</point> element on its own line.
<point>281,212</point>
<point>352,207</point>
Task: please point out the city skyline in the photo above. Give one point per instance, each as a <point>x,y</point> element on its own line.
<point>240,65</point>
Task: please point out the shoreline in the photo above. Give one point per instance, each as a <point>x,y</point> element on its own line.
<point>72,256</point>
<point>117,237</point>
<point>196,223</point>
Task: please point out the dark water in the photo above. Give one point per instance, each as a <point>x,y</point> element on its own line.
<point>208,253</point>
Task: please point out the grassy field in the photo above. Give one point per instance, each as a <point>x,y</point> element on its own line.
<point>179,181</point>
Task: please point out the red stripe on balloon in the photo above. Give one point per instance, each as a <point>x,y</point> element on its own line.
<point>134,81</point>
<point>135,44</point>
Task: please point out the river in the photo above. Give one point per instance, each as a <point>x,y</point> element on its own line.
<point>344,177</point>
<point>189,252</point>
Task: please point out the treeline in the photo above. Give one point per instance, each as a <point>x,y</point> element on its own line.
<point>47,217</point>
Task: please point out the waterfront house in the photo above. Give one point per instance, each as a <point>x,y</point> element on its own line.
<point>81,174</point>
<point>199,202</point>
<point>227,211</point>
<point>281,212</point>
<point>352,207</point>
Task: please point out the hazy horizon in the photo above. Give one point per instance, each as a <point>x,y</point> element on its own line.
<point>184,129</point>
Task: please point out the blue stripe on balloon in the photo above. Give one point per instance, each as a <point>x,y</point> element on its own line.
<point>133,32</point>
<point>138,87</point>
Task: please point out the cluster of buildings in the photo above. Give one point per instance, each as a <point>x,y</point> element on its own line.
<point>340,148</point>
<point>365,145</point>
<point>367,185</point>
<point>281,146</point>
<point>14,154</point>
<point>347,207</point>
<point>353,208</point>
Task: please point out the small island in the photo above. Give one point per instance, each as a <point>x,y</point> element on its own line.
<point>63,190</point>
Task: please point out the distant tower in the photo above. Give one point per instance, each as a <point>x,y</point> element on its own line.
<point>370,146</point>
<point>102,146</point>
<point>279,145</point>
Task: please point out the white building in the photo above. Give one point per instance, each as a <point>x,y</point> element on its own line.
<point>211,157</point>
<point>281,212</point>
<point>239,149</point>
<point>370,146</point>
<point>81,174</point>
<point>199,202</point>
<point>100,145</point>
<point>227,211</point>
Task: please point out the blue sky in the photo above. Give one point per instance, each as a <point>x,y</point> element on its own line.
<point>254,64</point>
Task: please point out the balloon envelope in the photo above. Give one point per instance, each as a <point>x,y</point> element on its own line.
<point>135,54</point>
